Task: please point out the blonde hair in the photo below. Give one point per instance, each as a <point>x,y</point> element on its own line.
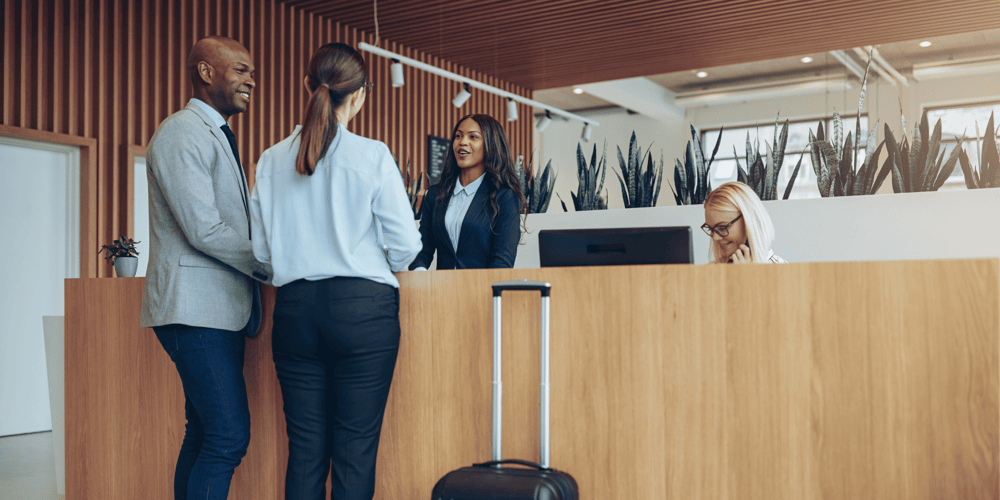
<point>736,196</point>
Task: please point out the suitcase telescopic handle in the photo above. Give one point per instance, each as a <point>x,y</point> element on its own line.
<point>503,286</point>
<point>543,395</point>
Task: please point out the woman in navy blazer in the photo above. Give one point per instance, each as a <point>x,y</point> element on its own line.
<point>472,217</point>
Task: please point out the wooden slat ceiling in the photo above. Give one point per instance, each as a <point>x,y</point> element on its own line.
<point>542,44</point>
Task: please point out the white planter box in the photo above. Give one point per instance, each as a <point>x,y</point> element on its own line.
<point>955,224</point>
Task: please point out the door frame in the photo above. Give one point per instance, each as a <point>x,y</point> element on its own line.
<point>90,226</point>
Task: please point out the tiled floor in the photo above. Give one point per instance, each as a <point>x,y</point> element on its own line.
<point>27,468</point>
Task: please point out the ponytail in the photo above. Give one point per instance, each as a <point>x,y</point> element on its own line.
<point>335,72</point>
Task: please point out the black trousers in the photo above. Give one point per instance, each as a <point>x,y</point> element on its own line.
<point>335,343</point>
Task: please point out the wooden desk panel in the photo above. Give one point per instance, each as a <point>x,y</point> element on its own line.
<point>833,380</point>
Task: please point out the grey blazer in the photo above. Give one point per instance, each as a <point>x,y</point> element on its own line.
<point>200,258</point>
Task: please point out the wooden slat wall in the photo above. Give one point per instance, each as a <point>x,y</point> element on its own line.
<point>112,70</point>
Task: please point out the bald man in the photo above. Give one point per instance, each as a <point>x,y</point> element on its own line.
<point>200,295</point>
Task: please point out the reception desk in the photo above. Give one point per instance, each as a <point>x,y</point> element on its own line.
<point>824,380</point>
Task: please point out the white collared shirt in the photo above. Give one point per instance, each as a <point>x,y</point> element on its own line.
<point>329,224</point>
<point>458,206</point>
<point>212,112</point>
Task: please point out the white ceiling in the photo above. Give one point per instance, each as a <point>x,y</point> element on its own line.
<point>903,56</point>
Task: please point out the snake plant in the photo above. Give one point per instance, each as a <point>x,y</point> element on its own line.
<point>920,166</point>
<point>988,156</point>
<point>537,188</point>
<point>691,183</point>
<point>588,195</point>
<point>762,170</point>
<point>640,187</point>
<point>834,161</point>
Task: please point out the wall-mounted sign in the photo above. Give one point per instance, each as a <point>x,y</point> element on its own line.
<point>437,151</point>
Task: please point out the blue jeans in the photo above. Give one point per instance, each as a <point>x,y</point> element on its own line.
<point>210,364</point>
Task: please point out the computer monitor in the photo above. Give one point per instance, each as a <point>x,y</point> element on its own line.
<point>615,246</point>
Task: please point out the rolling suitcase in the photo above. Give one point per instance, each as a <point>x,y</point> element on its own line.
<point>490,480</point>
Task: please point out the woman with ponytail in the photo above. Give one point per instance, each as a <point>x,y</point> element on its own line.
<point>330,214</point>
<point>472,217</point>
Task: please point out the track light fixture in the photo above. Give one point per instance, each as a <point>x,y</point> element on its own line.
<point>463,95</point>
<point>544,121</point>
<point>511,110</point>
<point>397,73</point>
<point>586,133</point>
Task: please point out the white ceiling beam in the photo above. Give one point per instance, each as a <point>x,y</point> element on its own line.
<point>878,67</point>
<point>779,90</point>
<point>640,95</point>
<point>888,67</point>
<point>848,63</point>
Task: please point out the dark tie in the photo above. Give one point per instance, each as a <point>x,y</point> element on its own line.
<point>231,137</point>
<point>232,143</point>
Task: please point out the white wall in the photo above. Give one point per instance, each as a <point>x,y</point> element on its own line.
<point>935,225</point>
<point>882,102</point>
<point>39,203</point>
<point>140,215</point>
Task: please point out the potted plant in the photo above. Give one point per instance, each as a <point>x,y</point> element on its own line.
<point>122,254</point>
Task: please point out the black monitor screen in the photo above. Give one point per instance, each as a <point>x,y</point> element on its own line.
<point>615,246</point>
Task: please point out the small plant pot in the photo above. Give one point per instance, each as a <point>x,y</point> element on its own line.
<point>125,266</point>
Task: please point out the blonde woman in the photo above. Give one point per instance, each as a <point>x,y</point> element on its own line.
<point>739,226</point>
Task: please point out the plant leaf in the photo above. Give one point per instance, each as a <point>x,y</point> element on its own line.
<point>970,181</point>
<point>884,172</point>
<point>633,169</point>
<point>701,172</point>
<point>838,135</point>
<point>932,159</point>
<point>949,167</point>
<point>989,168</point>
<point>795,174</point>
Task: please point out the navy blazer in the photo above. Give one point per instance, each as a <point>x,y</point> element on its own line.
<point>479,245</point>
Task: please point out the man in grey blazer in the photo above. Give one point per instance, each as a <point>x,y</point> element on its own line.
<point>200,296</point>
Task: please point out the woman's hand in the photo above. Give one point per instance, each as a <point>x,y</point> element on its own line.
<point>742,255</point>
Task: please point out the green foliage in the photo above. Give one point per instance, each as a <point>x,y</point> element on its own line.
<point>834,159</point>
<point>640,187</point>
<point>922,165</point>
<point>762,170</point>
<point>537,187</point>
<point>988,156</point>
<point>691,184</point>
<point>122,247</point>
<point>588,195</point>
<point>834,162</point>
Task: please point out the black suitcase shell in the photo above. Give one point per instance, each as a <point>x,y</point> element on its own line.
<point>486,482</point>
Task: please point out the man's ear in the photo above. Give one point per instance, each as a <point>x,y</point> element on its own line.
<point>206,72</point>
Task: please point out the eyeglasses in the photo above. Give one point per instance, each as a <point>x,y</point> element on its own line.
<point>368,85</point>
<point>720,229</point>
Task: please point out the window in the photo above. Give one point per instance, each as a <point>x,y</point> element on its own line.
<point>734,141</point>
<point>958,121</point>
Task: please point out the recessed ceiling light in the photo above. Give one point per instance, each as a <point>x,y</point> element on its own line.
<point>807,59</point>
<point>577,90</point>
<point>701,74</point>
<point>925,43</point>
